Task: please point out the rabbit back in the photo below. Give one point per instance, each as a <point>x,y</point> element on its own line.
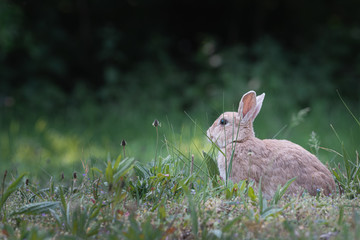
<point>275,162</point>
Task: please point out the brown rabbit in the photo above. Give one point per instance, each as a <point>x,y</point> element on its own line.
<point>273,161</point>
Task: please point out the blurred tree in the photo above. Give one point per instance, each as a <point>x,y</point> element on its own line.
<point>119,44</point>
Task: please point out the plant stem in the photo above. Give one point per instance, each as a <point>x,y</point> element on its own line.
<point>156,148</point>
<point>191,170</point>
<point>3,183</point>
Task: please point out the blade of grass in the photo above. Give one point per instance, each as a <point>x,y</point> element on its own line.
<point>281,130</point>
<point>344,153</point>
<point>193,213</point>
<point>281,191</point>
<point>188,164</point>
<point>346,106</point>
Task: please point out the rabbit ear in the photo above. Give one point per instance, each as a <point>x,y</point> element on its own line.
<point>247,103</point>
<point>250,106</point>
<point>259,102</point>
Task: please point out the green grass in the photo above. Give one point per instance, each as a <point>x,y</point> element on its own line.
<point>178,195</point>
<point>129,200</point>
<point>51,145</point>
<point>82,184</point>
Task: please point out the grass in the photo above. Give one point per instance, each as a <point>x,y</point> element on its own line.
<point>159,187</point>
<point>126,200</point>
<point>178,196</point>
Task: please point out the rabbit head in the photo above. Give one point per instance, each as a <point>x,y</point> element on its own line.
<point>236,126</point>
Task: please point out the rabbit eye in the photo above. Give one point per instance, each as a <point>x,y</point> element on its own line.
<point>223,121</point>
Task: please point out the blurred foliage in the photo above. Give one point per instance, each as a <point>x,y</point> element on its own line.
<point>77,77</point>
<point>63,50</point>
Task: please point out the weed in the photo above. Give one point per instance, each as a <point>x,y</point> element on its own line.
<point>6,192</point>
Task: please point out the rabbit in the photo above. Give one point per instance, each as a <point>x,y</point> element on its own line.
<point>272,161</point>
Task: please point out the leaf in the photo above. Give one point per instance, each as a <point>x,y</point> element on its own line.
<point>228,226</point>
<point>162,212</point>
<point>270,211</point>
<point>67,215</point>
<point>93,231</point>
<point>12,188</point>
<point>229,168</point>
<point>62,199</point>
<point>125,166</point>
<point>193,213</point>
<point>37,208</point>
<point>357,121</point>
<point>141,171</point>
<point>187,158</point>
<point>55,215</point>
<point>336,174</point>
<point>341,215</point>
<point>227,193</point>
<point>354,173</point>
<point>117,162</point>
<point>95,210</point>
<point>96,170</point>
<point>264,205</point>
<point>281,191</point>
<point>252,195</point>
<point>109,172</point>
<point>212,167</point>
<point>347,163</point>
<point>261,203</point>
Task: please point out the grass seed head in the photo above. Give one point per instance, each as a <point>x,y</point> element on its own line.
<point>156,123</point>
<point>5,174</point>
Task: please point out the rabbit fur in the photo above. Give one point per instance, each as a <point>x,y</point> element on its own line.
<point>273,161</point>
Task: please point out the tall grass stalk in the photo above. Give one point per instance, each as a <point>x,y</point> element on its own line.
<point>347,108</point>
<point>156,124</point>
<point>349,183</point>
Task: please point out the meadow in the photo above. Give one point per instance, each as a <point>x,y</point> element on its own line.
<point>163,183</point>
<point>89,164</point>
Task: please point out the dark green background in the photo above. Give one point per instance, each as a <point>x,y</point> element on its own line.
<point>101,71</point>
